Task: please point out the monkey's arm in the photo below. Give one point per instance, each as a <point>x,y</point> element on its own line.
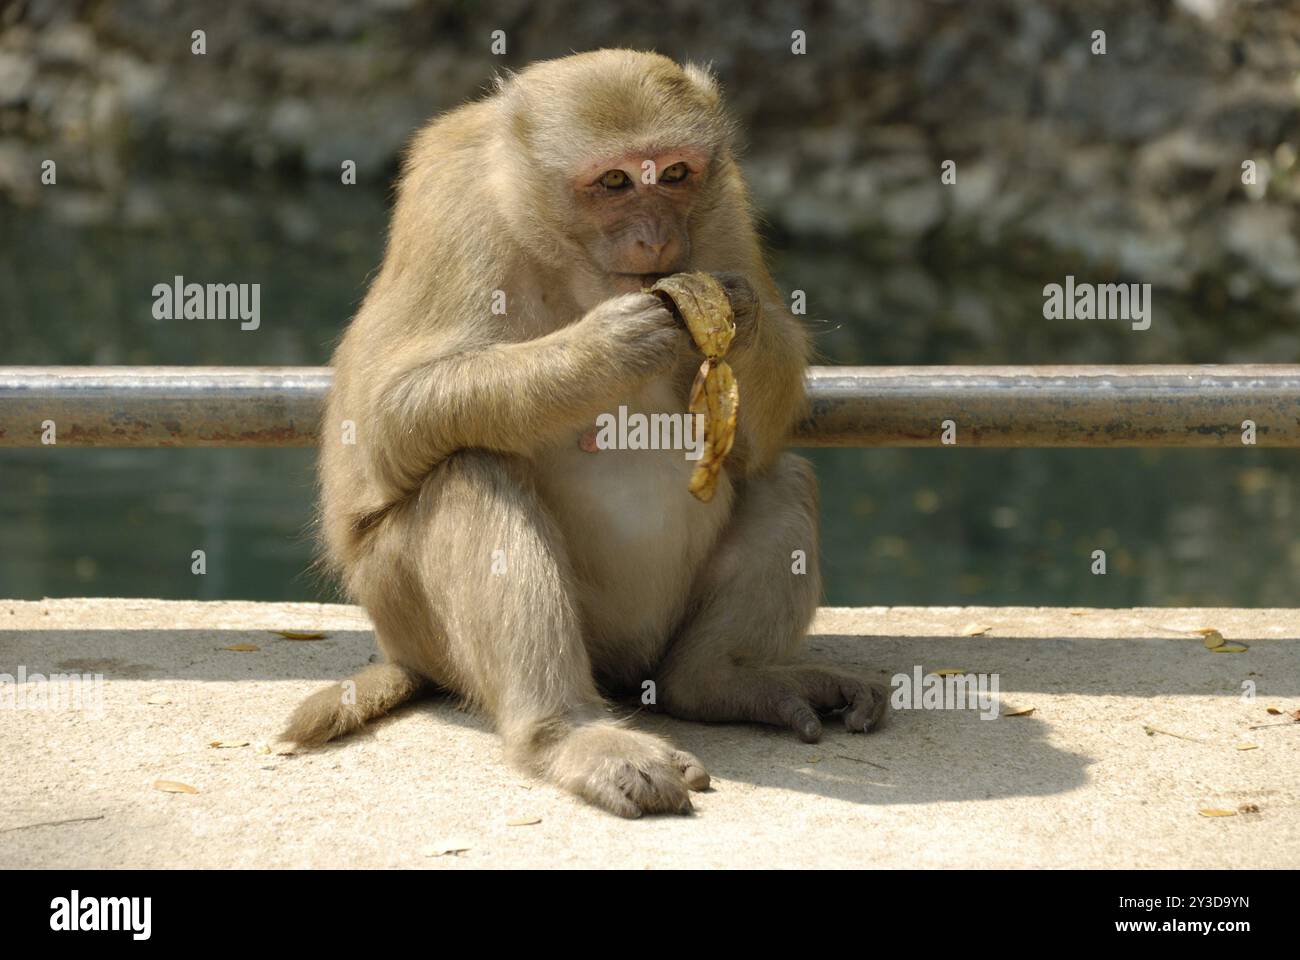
<point>515,397</point>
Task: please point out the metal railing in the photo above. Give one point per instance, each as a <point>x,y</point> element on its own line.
<point>1034,406</point>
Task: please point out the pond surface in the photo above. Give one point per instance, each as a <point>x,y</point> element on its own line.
<point>946,527</point>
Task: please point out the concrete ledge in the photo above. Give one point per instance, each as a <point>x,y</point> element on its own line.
<point>1080,782</point>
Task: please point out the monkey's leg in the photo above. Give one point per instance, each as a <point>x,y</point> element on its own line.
<point>735,658</point>
<point>492,563</point>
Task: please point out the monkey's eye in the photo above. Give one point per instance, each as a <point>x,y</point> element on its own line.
<point>674,174</point>
<point>615,180</point>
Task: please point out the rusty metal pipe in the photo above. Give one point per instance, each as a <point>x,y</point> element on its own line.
<point>1037,406</point>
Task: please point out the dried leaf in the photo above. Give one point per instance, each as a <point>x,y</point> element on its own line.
<point>227,744</point>
<point>975,629</point>
<point>1018,712</point>
<point>446,848</point>
<point>1213,638</point>
<point>173,786</point>
<point>1275,711</point>
<point>294,635</point>
<point>950,672</point>
<point>1248,746</point>
<point>159,699</point>
<point>1214,812</point>
<point>1230,648</point>
<point>242,648</point>
<point>523,821</point>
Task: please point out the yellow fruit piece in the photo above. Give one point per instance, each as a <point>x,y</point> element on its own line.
<point>716,396</point>
<point>701,302</point>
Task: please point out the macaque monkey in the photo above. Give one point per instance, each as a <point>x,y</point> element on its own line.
<point>499,556</point>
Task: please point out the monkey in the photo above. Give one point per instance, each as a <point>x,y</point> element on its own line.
<point>499,558</point>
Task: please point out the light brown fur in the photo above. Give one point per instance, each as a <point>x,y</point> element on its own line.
<point>467,426</point>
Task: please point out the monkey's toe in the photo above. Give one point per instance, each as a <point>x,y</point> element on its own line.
<point>692,771</point>
<point>797,713</point>
<point>866,711</point>
<point>652,788</point>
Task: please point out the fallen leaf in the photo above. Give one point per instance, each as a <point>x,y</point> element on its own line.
<point>1019,712</point>
<point>1213,812</point>
<point>950,672</point>
<point>159,699</point>
<point>1275,711</point>
<point>226,744</point>
<point>1248,746</point>
<point>172,786</point>
<point>242,648</point>
<point>975,629</point>
<point>1152,731</point>
<point>443,849</point>
<point>1230,648</point>
<point>1213,638</point>
<point>263,748</point>
<point>295,635</point>
<point>523,821</point>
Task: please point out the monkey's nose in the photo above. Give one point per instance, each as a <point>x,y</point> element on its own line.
<point>661,255</point>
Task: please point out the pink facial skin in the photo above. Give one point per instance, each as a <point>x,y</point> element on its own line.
<point>639,231</point>
<point>630,163</point>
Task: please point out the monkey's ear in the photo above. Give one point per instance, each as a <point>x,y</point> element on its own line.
<point>703,79</point>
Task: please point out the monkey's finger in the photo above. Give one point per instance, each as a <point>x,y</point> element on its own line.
<point>693,772</point>
<point>797,714</point>
<point>739,291</point>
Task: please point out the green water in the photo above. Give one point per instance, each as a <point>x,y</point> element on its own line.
<point>943,526</point>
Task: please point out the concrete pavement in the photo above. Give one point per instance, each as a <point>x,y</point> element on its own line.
<point>1135,728</point>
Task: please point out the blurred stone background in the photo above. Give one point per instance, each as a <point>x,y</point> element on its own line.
<point>1129,162</point>
<point>225,167</point>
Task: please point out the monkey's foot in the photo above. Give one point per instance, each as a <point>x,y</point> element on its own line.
<point>625,771</point>
<point>794,696</point>
<point>785,696</point>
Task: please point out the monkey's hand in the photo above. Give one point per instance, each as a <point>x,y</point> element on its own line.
<point>741,294</point>
<point>637,333</point>
<point>744,303</point>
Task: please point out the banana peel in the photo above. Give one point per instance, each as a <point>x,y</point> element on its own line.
<point>702,304</point>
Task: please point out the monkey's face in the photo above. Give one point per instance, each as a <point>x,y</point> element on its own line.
<point>633,215</point>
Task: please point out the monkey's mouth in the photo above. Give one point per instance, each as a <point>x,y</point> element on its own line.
<point>645,279</point>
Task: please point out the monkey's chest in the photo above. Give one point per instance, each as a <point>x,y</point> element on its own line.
<point>635,534</point>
